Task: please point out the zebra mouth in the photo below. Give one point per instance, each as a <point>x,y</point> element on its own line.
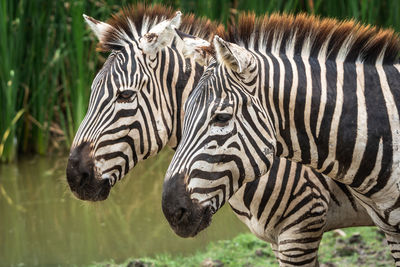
<point>93,192</point>
<point>194,223</point>
<point>205,220</point>
<point>186,216</point>
<point>85,186</point>
<point>82,176</point>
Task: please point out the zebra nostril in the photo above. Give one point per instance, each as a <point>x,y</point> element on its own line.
<point>84,178</point>
<point>85,175</point>
<point>180,214</point>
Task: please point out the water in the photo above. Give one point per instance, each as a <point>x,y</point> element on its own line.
<point>42,223</point>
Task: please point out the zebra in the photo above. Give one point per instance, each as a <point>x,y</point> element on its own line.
<point>335,198</point>
<point>165,109</point>
<point>307,205</point>
<point>320,92</point>
<point>134,108</point>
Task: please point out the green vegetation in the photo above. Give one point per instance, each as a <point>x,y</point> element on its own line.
<point>48,58</point>
<point>359,247</point>
<point>47,65</point>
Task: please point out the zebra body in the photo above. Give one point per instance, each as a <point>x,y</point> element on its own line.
<point>292,206</point>
<point>136,109</point>
<point>320,92</point>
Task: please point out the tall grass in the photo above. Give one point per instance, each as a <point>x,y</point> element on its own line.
<point>48,58</point>
<point>11,43</point>
<point>47,64</point>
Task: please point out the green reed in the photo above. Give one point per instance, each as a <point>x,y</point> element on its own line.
<point>48,58</point>
<point>48,61</point>
<point>10,79</point>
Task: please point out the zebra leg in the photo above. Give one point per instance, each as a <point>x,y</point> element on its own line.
<point>299,252</point>
<point>394,245</point>
<point>275,250</point>
<point>380,220</point>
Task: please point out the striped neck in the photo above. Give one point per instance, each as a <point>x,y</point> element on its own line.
<point>182,77</point>
<point>338,117</point>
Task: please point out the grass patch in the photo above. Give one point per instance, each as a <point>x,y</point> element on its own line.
<point>360,247</point>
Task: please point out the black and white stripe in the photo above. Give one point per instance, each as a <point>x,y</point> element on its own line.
<point>292,206</point>
<point>135,101</point>
<point>316,92</point>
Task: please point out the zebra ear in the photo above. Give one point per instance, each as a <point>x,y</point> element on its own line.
<point>160,35</point>
<point>196,48</point>
<point>99,28</point>
<point>233,56</point>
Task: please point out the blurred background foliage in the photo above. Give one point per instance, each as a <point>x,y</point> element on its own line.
<point>48,58</point>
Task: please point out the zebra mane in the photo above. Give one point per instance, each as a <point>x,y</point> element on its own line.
<point>133,21</point>
<point>311,36</point>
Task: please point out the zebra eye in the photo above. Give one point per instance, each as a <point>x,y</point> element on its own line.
<point>222,119</point>
<point>125,96</point>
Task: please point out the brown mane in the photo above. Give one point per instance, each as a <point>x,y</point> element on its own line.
<point>144,16</point>
<point>347,40</point>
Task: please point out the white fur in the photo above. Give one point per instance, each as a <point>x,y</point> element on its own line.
<point>192,48</point>
<point>229,53</point>
<point>99,28</point>
<point>160,35</point>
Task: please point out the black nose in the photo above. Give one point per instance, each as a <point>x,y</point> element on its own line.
<point>80,166</point>
<point>179,214</point>
<point>81,177</point>
<point>185,216</point>
<point>175,200</point>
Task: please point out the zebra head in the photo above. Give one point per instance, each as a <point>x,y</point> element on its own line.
<point>221,147</point>
<point>115,132</point>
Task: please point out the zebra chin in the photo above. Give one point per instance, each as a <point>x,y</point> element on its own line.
<point>81,176</point>
<point>186,216</point>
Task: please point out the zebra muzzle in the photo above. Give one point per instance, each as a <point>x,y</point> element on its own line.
<point>186,216</point>
<point>81,176</point>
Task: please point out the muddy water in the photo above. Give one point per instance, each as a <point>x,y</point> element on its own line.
<point>41,223</point>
